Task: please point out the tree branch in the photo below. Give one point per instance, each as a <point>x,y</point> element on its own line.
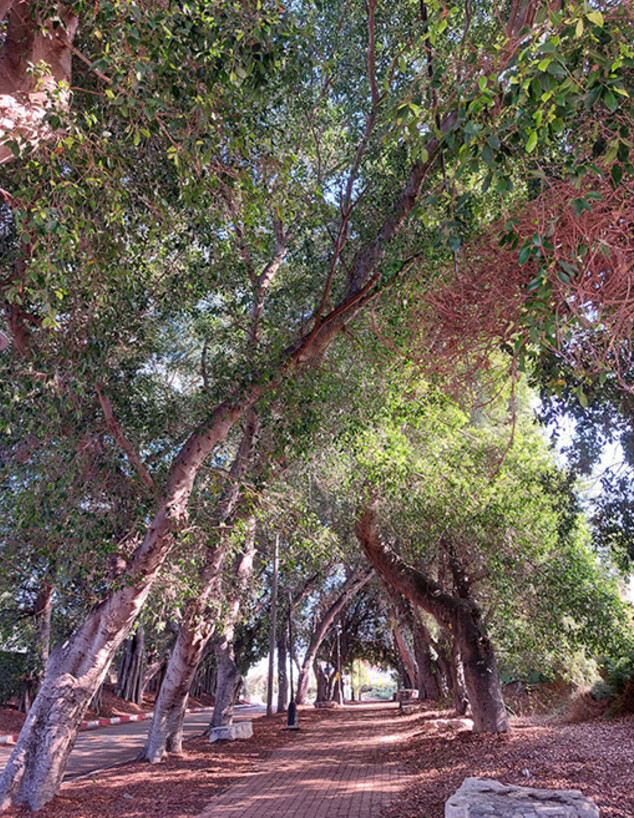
<point>117,432</point>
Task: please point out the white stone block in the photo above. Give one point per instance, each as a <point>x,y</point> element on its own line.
<point>485,798</point>
<point>231,732</point>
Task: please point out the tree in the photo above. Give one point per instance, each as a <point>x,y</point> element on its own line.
<point>180,249</point>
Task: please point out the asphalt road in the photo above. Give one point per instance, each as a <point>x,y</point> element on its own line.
<point>109,746</point>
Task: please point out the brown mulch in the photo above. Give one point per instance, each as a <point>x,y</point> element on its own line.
<point>11,720</point>
<point>595,757</point>
<point>182,785</point>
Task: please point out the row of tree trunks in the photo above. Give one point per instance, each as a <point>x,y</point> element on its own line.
<point>417,661</point>
<point>350,587</point>
<point>461,615</point>
<point>129,685</point>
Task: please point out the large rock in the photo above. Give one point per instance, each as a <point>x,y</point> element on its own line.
<point>484,798</point>
<point>231,732</point>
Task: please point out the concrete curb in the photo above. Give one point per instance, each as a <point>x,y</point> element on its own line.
<point>97,723</point>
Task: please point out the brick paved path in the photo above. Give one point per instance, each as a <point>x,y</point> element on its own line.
<point>332,770</point>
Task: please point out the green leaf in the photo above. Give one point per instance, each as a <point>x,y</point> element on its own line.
<point>524,254</point>
<point>568,268</point>
<point>580,205</point>
<point>596,18</point>
<point>616,172</point>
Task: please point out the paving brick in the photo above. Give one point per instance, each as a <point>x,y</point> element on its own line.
<point>329,771</point>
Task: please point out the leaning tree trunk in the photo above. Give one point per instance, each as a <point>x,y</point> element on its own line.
<point>462,615</point>
<point>348,590</point>
<point>199,620</point>
<point>229,678</point>
<point>407,663</point>
<point>78,667</point>
<point>197,626</point>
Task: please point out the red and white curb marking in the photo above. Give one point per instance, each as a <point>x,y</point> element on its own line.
<point>94,725</point>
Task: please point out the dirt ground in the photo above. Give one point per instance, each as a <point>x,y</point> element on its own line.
<point>596,757</point>
<point>181,786</point>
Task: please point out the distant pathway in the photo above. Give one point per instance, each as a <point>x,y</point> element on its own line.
<point>332,770</point>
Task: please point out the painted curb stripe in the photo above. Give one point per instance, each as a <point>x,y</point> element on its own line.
<point>94,725</point>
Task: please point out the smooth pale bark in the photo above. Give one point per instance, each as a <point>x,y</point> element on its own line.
<point>322,682</point>
<point>350,587</point>
<point>77,668</point>
<point>199,619</point>
<point>229,678</point>
<point>461,615</point>
<point>42,612</point>
<point>197,627</point>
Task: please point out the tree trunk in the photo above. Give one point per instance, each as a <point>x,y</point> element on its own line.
<point>229,678</point>
<point>228,681</point>
<point>95,702</point>
<point>282,675</point>
<point>31,42</point>
<point>322,682</point>
<point>166,728</point>
<point>129,685</point>
<point>43,610</point>
<point>198,623</point>
<point>408,662</point>
<point>462,615</point>
<point>425,677</point>
<point>460,695</point>
<point>348,590</point>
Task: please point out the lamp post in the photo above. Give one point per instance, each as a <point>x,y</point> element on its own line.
<point>292,721</point>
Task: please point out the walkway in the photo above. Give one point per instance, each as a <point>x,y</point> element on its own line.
<point>332,769</point>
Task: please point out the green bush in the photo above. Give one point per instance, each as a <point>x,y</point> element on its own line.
<point>14,673</point>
